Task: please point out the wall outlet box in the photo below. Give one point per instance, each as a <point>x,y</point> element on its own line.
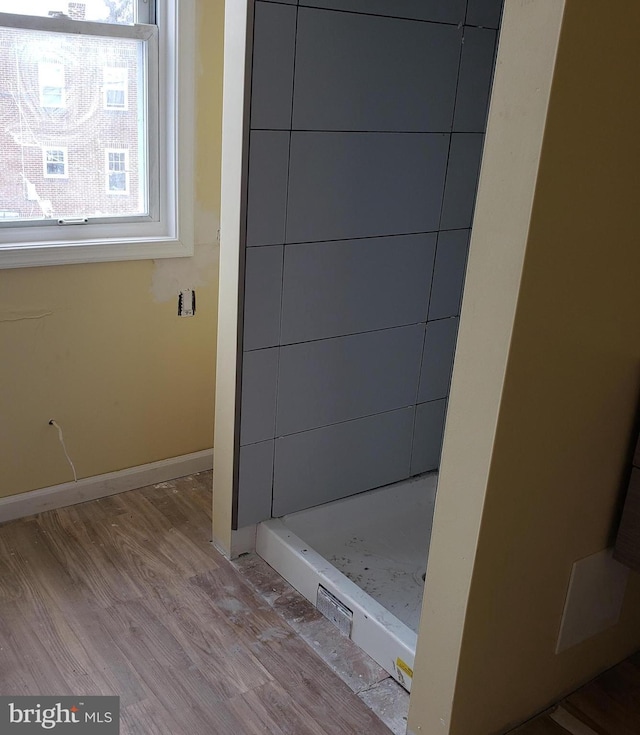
<point>594,598</point>
<point>187,302</point>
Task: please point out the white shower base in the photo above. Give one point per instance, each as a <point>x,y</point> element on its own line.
<point>370,551</point>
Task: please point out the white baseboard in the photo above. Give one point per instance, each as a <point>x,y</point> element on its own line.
<point>100,486</point>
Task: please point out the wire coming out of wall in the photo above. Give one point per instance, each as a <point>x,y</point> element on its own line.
<point>53,422</point>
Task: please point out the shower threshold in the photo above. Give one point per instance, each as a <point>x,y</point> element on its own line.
<point>369,553</point>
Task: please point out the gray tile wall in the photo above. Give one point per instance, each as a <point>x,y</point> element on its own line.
<point>273,56</point>
<point>437,359</point>
<point>484,13</point>
<point>331,462</point>
<point>353,185</point>
<point>263,290</point>
<point>449,270</point>
<point>348,286</point>
<point>259,385</point>
<point>384,59</point>
<point>367,125</point>
<point>427,436</point>
<point>332,380</point>
<point>267,189</point>
<point>256,481</point>
<point>440,11</point>
<point>474,82</point>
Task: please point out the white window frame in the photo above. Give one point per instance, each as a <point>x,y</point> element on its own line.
<point>44,70</point>
<point>109,85</point>
<point>167,232</point>
<point>108,171</point>
<point>65,161</point>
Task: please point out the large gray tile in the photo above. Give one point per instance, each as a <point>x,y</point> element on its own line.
<point>484,13</point>
<point>351,185</point>
<point>344,378</point>
<point>267,198</point>
<point>326,464</point>
<point>286,2</point>
<point>274,43</point>
<point>374,76</point>
<point>462,180</point>
<point>437,359</point>
<point>448,274</point>
<point>262,294</point>
<point>349,286</point>
<point>427,436</point>
<point>259,380</point>
<point>442,11</point>
<point>255,483</point>
<point>474,83</point>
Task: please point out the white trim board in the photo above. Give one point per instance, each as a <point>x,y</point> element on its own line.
<point>100,486</point>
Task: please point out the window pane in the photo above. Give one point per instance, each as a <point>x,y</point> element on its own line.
<point>51,80</point>
<point>104,11</point>
<point>115,87</point>
<point>71,98</point>
<point>54,162</point>
<point>115,98</point>
<point>117,182</point>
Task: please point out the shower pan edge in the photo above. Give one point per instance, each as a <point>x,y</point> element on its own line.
<point>389,641</point>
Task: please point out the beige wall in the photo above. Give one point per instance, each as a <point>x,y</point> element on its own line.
<point>544,491</point>
<point>99,347</point>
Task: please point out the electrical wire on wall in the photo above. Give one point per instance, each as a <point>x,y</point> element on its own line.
<point>53,422</point>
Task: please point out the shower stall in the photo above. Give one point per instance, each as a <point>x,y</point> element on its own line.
<point>361,131</point>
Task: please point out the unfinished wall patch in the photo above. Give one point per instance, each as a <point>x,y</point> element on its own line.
<point>206,226</point>
<point>172,275</point>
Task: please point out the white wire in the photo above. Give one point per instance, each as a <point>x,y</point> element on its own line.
<point>66,454</point>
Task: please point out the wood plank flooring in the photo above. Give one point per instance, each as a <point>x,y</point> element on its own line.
<point>608,705</point>
<point>126,596</point>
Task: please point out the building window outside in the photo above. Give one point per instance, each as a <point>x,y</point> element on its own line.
<point>51,81</point>
<point>115,88</point>
<point>54,162</point>
<point>117,171</point>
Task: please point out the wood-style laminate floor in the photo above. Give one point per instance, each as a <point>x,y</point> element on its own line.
<point>608,705</point>
<point>126,596</point>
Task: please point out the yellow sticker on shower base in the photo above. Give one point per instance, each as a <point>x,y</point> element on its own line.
<point>400,664</point>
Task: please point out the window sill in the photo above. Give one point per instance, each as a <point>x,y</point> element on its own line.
<point>26,256</point>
